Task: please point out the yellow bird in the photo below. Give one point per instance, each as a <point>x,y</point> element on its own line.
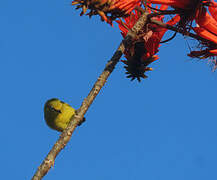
<point>57,114</point>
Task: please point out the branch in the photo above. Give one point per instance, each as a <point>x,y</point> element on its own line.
<point>77,118</point>
<point>67,133</point>
<point>171,38</point>
<point>183,32</point>
<point>172,28</point>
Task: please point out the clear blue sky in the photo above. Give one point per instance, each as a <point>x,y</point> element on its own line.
<point>164,128</point>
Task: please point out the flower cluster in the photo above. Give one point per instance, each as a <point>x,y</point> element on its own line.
<point>207,29</point>
<point>145,46</point>
<point>195,17</point>
<point>109,10</point>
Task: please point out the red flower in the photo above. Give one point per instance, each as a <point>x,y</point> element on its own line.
<point>210,45</point>
<point>213,52</point>
<point>109,10</point>
<point>182,4</point>
<point>206,34</point>
<point>213,9</point>
<point>125,6</point>
<point>202,54</point>
<point>204,20</point>
<point>144,48</point>
<point>207,29</point>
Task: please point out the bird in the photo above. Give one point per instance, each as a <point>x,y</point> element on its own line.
<point>57,114</point>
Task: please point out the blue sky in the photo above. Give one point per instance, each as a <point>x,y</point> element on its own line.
<point>163,128</point>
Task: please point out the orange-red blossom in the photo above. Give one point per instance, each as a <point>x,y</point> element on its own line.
<point>207,28</point>
<point>109,10</point>
<point>150,37</point>
<point>183,4</point>
<point>180,4</point>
